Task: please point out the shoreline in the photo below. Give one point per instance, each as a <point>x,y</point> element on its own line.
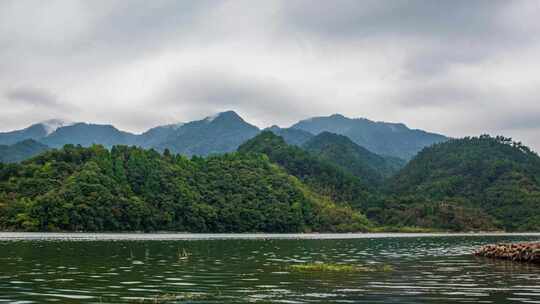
<point>173,236</point>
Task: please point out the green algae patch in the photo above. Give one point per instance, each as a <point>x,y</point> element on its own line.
<point>337,268</point>
<point>323,267</point>
<point>387,268</point>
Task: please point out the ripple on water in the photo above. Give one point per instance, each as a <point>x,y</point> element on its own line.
<point>428,270</point>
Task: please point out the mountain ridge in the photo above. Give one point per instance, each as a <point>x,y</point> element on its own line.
<point>20,151</point>
<point>353,158</point>
<point>219,133</point>
<point>383,138</point>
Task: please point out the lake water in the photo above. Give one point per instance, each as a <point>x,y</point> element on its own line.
<point>195,268</point>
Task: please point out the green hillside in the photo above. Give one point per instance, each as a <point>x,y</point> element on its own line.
<point>131,189</point>
<point>21,151</point>
<point>495,175</point>
<point>358,161</point>
<point>322,176</point>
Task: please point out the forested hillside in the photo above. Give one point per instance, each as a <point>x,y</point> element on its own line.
<point>21,151</point>
<point>328,171</point>
<point>479,183</point>
<point>322,176</point>
<point>131,189</point>
<point>292,136</point>
<point>493,174</point>
<point>352,158</point>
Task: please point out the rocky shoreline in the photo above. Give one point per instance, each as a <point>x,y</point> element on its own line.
<point>519,252</point>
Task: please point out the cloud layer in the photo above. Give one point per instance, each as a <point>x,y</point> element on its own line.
<point>455,67</point>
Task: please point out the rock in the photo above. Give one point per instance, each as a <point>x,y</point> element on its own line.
<point>519,252</point>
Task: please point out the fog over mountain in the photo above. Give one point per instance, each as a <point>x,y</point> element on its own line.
<point>452,67</point>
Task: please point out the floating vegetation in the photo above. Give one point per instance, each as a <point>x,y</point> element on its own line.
<point>387,268</point>
<point>342,268</point>
<point>183,254</point>
<point>323,267</point>
<point>173,298</point>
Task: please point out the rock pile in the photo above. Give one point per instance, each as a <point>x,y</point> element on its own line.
<point>521,252</point>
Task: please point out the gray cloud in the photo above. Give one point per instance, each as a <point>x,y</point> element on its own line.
<point>265,99</point>
<point>439,95</point>
<point>456,67</point>
<point>342,19</point>
<point>32,96</point>
<point>446,32</point>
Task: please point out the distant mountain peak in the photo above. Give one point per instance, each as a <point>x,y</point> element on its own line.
<point>211,118</point>
<point>274,128</point>
<point>232,115</point>
<point>52,125</point>
<point>227,117</point>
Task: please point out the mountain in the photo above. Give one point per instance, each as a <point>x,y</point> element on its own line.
<point>493,174</point>
<point>85,134</point>
<point>352,158</point>
<point>21,151</point>
<point>224,132</point>
<point>389,139</point>
<point>131,189</point>
<point>35,132</point>
<point>321,176</point>
<point>157,135</point>
<point>217,134</point>
<point>291,136</point>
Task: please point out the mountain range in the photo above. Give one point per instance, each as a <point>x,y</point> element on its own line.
<point>389,139</point>
<point>327,183</point>
<point>224,132</point>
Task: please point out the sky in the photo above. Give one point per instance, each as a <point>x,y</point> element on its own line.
<point>460,68</point>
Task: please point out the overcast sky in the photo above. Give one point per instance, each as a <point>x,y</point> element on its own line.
<point>453,67</point>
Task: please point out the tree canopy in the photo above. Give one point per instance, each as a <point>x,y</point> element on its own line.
<point>131,189</point>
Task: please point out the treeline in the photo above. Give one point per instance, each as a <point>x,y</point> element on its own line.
<point>475,183</point>
<point>493,175</point>
<point>131,189</point>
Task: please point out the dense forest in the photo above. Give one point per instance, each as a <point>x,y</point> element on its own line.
<point>492,174</point>
<point>131,189</point>
<point>353,158</point>
<point>327,183</point>
<point>340,170</point>
<point>324,177</point>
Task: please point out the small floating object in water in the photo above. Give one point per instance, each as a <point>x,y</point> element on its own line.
<point>519,252</point>
<point>323,267</point>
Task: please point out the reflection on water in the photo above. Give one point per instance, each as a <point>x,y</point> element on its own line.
<point>428,269</point>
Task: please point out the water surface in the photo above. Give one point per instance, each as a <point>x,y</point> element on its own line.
<point>195,268</point>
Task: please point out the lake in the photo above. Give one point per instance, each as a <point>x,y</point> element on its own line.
<point>255,268</point>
